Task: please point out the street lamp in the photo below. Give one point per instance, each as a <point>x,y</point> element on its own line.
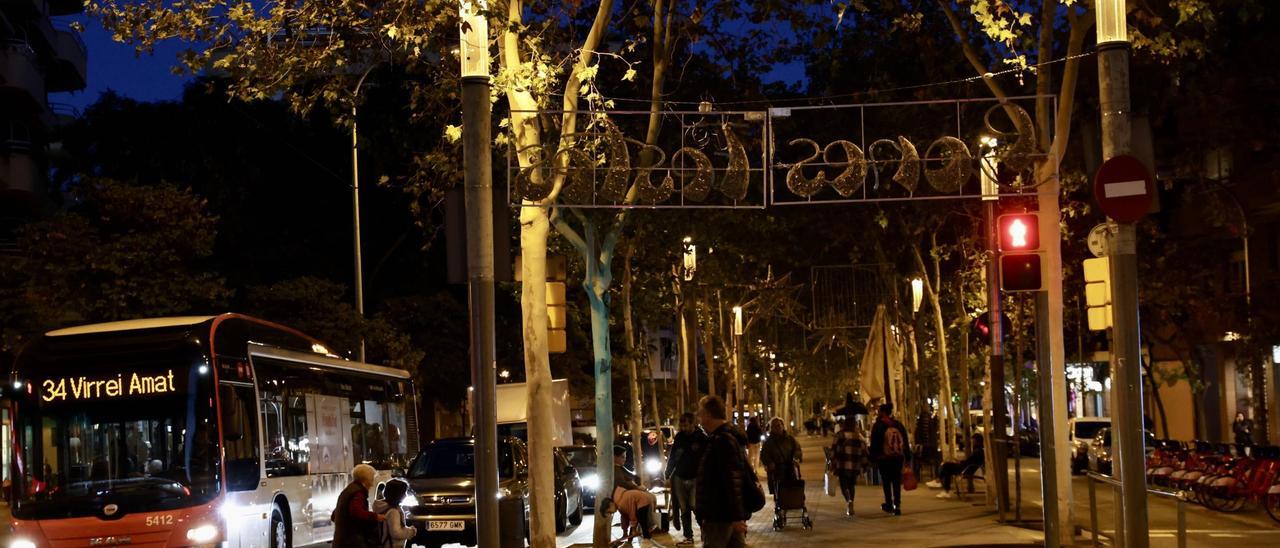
<point>690,258</point>
<point>1112,26</point>
<point>917,294</point>
<point>737,357</point>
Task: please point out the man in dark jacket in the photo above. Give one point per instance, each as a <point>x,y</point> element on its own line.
<point>889,450</point>
<point>354,526</point>
<point>722,476</point>
<point>682,470</point>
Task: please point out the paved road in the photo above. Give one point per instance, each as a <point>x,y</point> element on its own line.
<point>925,522</point>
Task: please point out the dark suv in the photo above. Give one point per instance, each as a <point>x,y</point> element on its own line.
<point>442,478</point>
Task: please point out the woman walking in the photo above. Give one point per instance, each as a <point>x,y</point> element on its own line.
<point>849,456</point>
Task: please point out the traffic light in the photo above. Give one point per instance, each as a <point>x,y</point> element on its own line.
<point>980,328</point>
<point>1020,252</point>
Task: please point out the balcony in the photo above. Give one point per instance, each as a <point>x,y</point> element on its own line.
<point>70,59</point>
<point>20,75</point>
<point>19,174</point>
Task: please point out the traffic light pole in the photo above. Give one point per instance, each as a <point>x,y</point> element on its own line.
<point>478,183</point>
<point>999,418</point>
<point>1113,91</point>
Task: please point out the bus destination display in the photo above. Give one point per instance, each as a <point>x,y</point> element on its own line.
<point>85,388</point>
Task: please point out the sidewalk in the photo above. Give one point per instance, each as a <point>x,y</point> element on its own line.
<point>925,520</point>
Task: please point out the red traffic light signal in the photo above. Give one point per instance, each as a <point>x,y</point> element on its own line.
<point>1020,272</point>
<point>1020,232</point>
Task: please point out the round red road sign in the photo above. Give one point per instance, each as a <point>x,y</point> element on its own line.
<point>1124,188</point>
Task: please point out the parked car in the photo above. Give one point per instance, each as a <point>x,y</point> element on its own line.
<point>570,501</point>
<point>1080,432</point>
<point>583,459</point>
<point>442,478</point>
<point>1101,452</point>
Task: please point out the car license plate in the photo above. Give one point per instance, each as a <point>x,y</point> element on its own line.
<point>446,525</point>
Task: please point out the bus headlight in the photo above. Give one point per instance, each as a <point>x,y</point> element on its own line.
<point>202,534</point>
<point>21,543</point>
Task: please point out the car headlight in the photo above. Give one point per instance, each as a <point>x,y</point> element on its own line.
<point>21,543</point>
<point>591,482</point>
<point>653,466</point>
<point>203,533</point>
<point>409,500</point>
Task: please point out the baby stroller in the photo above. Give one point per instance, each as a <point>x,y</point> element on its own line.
<point>788,496</point>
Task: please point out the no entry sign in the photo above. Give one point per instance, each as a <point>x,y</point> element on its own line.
<point>1124,189</point>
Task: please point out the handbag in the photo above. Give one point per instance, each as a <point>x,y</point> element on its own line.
<point>909,482</point>
<point>752,495</point>
<point>828,483</point>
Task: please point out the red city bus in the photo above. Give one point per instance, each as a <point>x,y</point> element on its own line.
<point>195,431</point>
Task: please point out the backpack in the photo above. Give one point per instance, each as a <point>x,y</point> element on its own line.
<point>893,442</point>
<point>752,495</point>
<point>384,531</point>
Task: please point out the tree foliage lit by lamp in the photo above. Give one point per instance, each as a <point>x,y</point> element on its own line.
<point>1112,26</point>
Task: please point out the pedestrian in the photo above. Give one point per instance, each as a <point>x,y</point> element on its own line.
<point>779,454</point>
<point>725,480</point>
<point>975,459</point>
<point>392,533</point>
<point>890,450</point>
<point>354,526</point>
<point>636,507</point>
<point>621,476</point>
<point>849,456</point>
<point>1243,429</point>
<point>682,472</point>
<point>754,434</point>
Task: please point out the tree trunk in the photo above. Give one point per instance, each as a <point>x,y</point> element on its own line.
<point>600,350</point>
<point>708,350</point>
<point>637,416</point>
<point>966,421</point>
<point>946,416</point>
<point>1148,367</point>
<point>534,226</point>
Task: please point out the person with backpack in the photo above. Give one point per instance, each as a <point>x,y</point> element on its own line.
<point>848,458</point>
<point>392,533</point>
<point>890,451</point>
<point>726,491</point>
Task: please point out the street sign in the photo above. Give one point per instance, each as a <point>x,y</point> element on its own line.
<point>1124,189</point>
<point>1098,238</point>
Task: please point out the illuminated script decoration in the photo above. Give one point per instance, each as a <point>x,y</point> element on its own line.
<point>840,147</point>
<point>893,151</point>
<point>701,159</point>
<point>85,388</point>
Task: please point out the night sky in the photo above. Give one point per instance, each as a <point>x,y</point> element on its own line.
<point>114,66</point>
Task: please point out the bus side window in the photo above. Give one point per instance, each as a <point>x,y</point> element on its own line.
<point>240,436</point>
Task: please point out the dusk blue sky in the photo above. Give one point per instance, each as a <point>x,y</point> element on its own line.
<point>114,66</point>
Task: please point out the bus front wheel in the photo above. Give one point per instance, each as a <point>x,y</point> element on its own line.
<point>279,529</point>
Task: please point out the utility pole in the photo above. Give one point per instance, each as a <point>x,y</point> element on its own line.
<point>478,180</point>
<point>739,352</point>
<point>355,199</point>
<point>999,443</point>
<point>1126,346</point>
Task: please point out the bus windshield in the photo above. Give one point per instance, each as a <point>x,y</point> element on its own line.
<point>110,442</point>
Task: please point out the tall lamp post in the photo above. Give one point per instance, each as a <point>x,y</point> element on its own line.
<point>1113,95</point>
<point>355,196</point>
<point>739,352</point>
<point>478,179</point>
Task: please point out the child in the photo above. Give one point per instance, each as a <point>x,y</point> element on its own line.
<point>392,532</point>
